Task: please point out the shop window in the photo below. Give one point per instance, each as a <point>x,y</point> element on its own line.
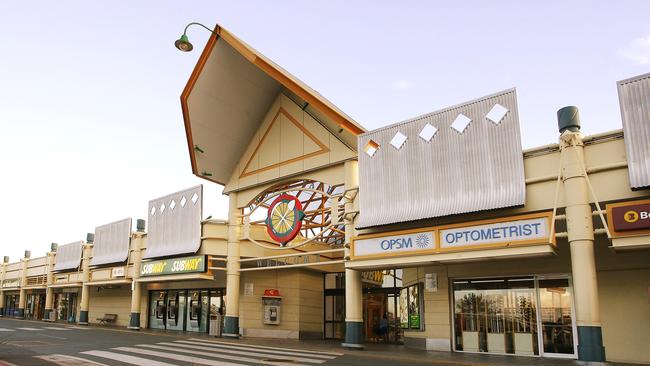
<point>411,307</point>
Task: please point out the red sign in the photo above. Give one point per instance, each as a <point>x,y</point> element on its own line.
<point>271,292</point>
<point>629,216</point>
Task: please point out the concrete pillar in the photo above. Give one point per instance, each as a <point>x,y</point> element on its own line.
<point>2,294</point>
<point>22,297</point>
<point>581,241</point>
<point>49,290</point>
<point>231,323</point>
<point>353,288</point>
<point>85,288</point>
<point>136,287</point>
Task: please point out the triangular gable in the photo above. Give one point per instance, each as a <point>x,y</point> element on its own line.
<point>288,141</point>
<point>283,121</point>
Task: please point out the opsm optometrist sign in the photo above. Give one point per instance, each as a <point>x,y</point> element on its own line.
<point>503,232</point>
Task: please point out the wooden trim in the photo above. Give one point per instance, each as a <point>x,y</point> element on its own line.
<point>437,232</point>
<point>323,148</point>
<point>198,68</point>
<point>610,218</point>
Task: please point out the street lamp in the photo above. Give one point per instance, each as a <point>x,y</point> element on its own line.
<point>184,43</point>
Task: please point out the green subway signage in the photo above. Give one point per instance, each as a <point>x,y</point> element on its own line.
<point>195,264</point>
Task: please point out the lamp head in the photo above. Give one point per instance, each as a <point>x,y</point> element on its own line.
<point>183,44</point>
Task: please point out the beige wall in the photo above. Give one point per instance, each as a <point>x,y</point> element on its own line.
<point>623,283</point>
<point>625,314</point>
<point>110,301</point>
<point>301,315</point>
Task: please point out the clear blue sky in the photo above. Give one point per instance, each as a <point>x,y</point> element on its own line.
<point>91,126</point>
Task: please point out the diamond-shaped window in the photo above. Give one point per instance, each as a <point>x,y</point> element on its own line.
<point>183,201</point>
<point>152,211</point>
<point>195,198</point>
<point>172,204</point>
<point>496,114</point>
<point>398,140</point>
<point>162,208</point>
<point>460,123</point>
<point>428,132</point>
<point>371,148</point>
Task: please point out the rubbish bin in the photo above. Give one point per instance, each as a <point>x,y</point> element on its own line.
<point>215,325</point>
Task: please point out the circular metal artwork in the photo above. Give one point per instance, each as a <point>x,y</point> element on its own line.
<point>284,218</point>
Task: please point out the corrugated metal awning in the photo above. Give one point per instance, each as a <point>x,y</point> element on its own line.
<point>175,224</point>
<point>634,97</point>
<point>460,159</point>
<point>68,256</point>
<point>111,243</point>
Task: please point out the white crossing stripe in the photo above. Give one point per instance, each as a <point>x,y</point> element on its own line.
<point>66,360</point>
<point>216,348</point>
<point>213,354</point>
<point>27,328</point>
<point>267,347</point>
<point>7,363</point>
<point>127,359</point>
<point>193,360</point>
<point>7,330</point>
<point>56,328</point>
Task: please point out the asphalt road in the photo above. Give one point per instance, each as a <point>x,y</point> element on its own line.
<point>25,343</point>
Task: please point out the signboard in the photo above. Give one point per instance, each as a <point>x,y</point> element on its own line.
<point>395,245</point>
<point>504,232</point>
<point>373,277</point>
<point>431,282</point>
<point>629,218</point>
<point>11,283</point>
<point>194,264</point>
<point>248,289</point>
<point>117,272</point>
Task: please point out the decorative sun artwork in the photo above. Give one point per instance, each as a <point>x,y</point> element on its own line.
<point>284,218</point>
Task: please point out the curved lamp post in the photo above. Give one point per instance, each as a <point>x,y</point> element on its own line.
<point>184,43</point>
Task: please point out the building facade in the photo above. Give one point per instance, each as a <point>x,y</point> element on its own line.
<point>438,232</point>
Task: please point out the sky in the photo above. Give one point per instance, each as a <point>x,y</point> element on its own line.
<point>90,118</point>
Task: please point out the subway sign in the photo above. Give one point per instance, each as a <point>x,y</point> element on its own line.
<point>194,264</point>
<point>629,218</point>
<point>531,229</point>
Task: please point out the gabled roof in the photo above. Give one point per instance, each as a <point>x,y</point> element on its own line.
<point>225,99</point>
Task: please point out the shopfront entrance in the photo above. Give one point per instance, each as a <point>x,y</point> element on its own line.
<point>35,306</point>
<point>11,305</point>
<point>381,311</point>
<point>521,316</point>
<point>66,304</point>
<point>185,310</point>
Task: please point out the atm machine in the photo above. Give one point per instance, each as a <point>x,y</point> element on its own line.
<point>194,313</point>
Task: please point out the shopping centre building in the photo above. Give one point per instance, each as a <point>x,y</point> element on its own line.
<point>438,232</point>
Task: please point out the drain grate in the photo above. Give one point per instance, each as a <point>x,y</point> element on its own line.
<point>278,360</point>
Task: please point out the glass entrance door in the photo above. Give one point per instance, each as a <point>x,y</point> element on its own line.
<point>556,317</point>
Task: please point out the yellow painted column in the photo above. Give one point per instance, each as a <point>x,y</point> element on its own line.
<point>353,286</point>
<point>2,278</point>
<point>85,288</point>
<point>231,322</point>
<point>581,237</point>
<point>49,290</point>
<point>137,242</point>
<point>22,297</point>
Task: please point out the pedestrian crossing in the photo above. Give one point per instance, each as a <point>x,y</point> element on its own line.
<point>34,329</point>
<point>194,351</point>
